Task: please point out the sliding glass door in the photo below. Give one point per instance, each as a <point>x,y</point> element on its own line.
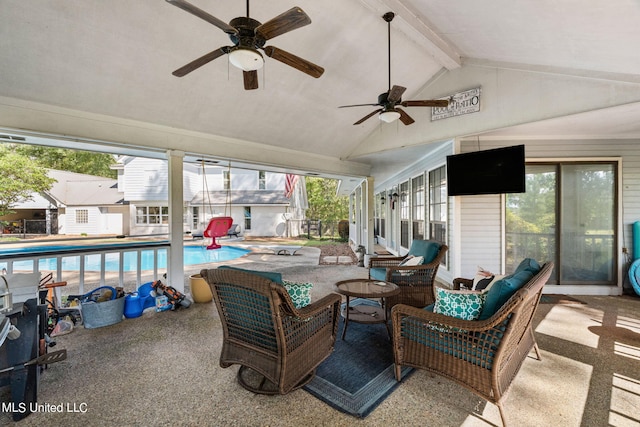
<point>567,215</point>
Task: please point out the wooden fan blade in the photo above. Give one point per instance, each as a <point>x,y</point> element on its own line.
<point>426,103</point>
<point>250,79</point>
<point>294,61</point>
<point>288,21</point>
<point>205,59</point>
<point>404,117</point>
<point>203,15</point>
<point>359,105</point>
<point>367,116</point>
<point>395,93</point>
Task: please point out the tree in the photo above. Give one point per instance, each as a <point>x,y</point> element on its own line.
<point>324,203</point>
<point>86,162</point>
<point>20,179</point>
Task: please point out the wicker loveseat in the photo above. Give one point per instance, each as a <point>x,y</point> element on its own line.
<point>415,281</point>
<point>277,345</point>
<point>482,355</point>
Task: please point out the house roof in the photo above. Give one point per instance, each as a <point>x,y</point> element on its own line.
<point>240,197</point>
<point>90,73</point>
<point>76,189</point>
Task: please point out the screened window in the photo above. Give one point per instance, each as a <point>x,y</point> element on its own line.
<point>438,205</point>
<point>417,207</point>
<point>404,214</point>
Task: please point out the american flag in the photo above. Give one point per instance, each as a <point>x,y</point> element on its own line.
<point>290,184</point>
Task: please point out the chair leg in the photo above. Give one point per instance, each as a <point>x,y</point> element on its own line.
<point>535,345</point>
<point>503,416</point>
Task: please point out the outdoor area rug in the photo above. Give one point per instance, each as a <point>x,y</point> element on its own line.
<point>558,299</point>
<point>359,374</point>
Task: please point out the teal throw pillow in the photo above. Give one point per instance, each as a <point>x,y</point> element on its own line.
<point>269,275</point>
<point>427,249</point>
<point>300,293</point>
<point>502,290</point>
<point>460,304</point>
<point>528,264</point>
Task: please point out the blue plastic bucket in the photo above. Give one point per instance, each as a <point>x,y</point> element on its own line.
<point>133,306</point>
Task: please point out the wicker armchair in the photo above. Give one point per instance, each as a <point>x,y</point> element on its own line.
<point>482,355</point>
<point>415,282</point>
<point>277,346</point>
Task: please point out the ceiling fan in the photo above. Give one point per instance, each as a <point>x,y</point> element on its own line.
<point>390,100</point>
<point>249,35</point>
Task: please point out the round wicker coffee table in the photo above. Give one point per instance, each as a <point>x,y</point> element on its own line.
<point>367,289</point>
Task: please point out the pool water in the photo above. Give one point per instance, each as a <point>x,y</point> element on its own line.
<point>192,255</point>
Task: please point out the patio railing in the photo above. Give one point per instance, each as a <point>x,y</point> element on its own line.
<point>98,260</point>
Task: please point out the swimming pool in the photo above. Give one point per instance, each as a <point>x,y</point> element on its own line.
<point>192,255</point>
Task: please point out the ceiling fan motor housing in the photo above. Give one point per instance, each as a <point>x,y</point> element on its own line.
<point>246,36</point>
<point>383,99</point>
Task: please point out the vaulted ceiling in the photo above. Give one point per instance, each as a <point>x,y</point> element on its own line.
<point>101,70</point>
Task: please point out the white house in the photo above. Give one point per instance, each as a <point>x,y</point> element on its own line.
<point>76,204</point>
<point>254,199</point>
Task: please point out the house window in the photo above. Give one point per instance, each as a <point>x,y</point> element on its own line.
<point>226,178</point>
<point>247,218</point>
<point>82,216</point>
<point>152,215</point>
<point>262,180</point>
<point>404,214</point>
<point>383,214</point>
<point>195,217</point>
<point>417,207</point>
<point>438,205</point>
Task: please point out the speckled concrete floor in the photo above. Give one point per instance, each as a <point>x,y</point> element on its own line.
<point>162,369</point>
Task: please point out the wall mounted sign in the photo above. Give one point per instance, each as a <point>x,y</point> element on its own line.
<point>461,103</point>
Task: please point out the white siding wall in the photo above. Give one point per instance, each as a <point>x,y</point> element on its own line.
<point>266,221</point>
<point>481,216</point>
<point>146,179</point>
<point>481,231</point>
<point>92,227</point>
<point>192,180</point>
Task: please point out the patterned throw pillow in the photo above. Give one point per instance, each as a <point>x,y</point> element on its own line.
<point>460,304</point>
<point>300,293</point>
<point>484,279</point>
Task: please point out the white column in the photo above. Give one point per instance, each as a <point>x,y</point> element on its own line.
<point>175,256</point>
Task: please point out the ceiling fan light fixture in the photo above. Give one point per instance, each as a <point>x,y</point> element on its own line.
<point>246,59</point>
<point>389,116</point>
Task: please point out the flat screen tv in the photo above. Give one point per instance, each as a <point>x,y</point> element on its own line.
<point>496,171</point>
